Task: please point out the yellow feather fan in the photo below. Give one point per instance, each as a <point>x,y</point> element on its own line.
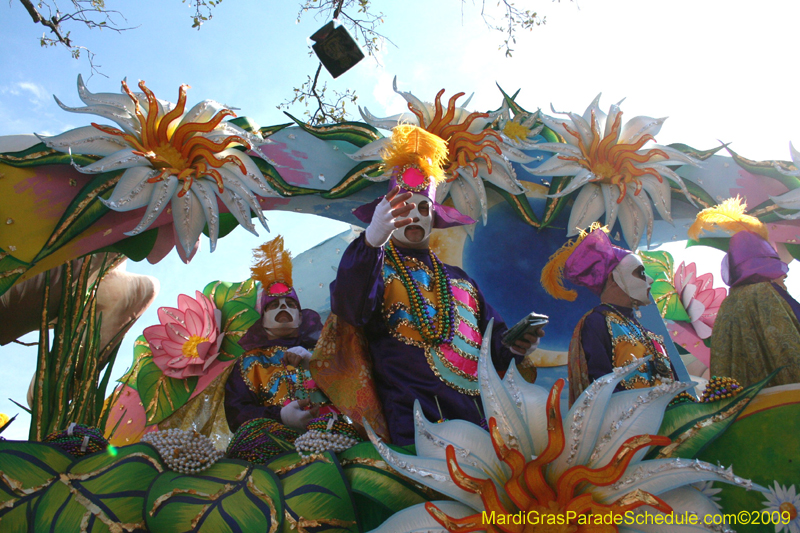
<point>552,278</point>
<point>728,216</point>
<point>412,145</point>
<point>272,263</point>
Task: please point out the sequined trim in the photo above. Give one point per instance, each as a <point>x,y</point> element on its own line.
<point>462,390</point>
<point>260,358</point>
<point>636,338</point>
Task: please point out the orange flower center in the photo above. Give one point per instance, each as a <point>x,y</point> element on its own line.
<point>612,162</point>
<point>183,151</point>
<point>790,508</point>
<point>189,348</point>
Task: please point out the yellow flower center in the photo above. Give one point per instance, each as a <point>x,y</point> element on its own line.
<point>190,346</point>
<point>515,130</point>
<point>167,156</point>
<point>788,506</point>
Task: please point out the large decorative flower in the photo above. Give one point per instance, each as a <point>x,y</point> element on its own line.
<point>476,152</point>
<point>699,297</point>
<point>536,463</point>
<point>785,501</point>
<point>610,166</point>
<point>169,155</point>
<point>186,342</point>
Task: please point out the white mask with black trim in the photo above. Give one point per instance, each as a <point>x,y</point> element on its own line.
<point>425,221</point>
<point>269,321</point>
<point>634,286</point>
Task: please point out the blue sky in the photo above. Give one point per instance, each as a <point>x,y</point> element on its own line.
<point>719,69</point>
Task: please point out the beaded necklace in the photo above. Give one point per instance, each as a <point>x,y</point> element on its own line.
<point>433,332</point>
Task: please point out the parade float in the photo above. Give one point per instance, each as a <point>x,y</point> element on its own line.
<point>153,452</point>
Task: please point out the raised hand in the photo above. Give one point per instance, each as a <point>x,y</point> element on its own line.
<point>389,215</point>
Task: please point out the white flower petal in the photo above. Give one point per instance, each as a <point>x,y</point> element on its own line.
<point>673,156</point>
<point>471,443</point>
<point>204,190</point>
<point>430,472</point>
<point>631,413</point>
<point>415,102</point>
<point>416,519</point>
<point>666,171</point>
<point>132,190</point>
<point>531,401</point>
<point>236,205</point>
<point>515,155</point>
<point>588,207</point>
<point>660,194</point>
<point>498,403</point>
<point>120,101</point>
<point>555,167</point>
<point>254,180</point>
<point>788,200</point>
<point>632,221</point>
<point>117,161</point>
<point>161,195</point>
<point>387,123</point>
<point>558,126</point>
<point>501,175</point>
<point>684,501</point>
<point>442,190</point>
<point>579,180</point>
<point>189,220</point>
<point>583,128</point>
<point>599,114</point>
<point>643,203</point>
<point>476,184</point>
<point>561,148</point>
<point>466,201</point>
<point>610,196</point>
<point>612,116</point>
<point>125,120</point>
<point>638,127</point>
<point>202,112</point>
<point>86,140</point>
<point>372,151</point>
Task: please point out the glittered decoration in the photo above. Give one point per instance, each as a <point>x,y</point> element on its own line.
<point>261,439</point>
<point>683,397</point>
<point>719,388</point>
<point>78,440</point>
<point>330,432</point>
<point>185,452</point>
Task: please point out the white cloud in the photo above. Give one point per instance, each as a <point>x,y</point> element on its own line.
<point>39,93</point>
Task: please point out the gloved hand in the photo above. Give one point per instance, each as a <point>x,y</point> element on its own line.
<point>297,356</point>
<point>388,216</point>
<point>528,343</point>
<point>293,416</point>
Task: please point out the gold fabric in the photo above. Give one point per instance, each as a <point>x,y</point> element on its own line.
<point>205,413</point>
<point>756,332</point>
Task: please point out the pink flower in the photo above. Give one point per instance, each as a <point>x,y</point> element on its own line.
<point>187,341</point>
<point>698,296</point>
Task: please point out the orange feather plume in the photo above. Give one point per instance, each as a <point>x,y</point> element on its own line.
<point>552,278</point>
<point>412,145</point>
<point>728,216</point>
<point>272,263</point>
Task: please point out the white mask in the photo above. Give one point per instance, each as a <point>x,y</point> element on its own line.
<point>425,221</point>
<point>269,321</point>
<point>634,286</point>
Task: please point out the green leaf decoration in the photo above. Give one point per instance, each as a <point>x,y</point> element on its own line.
<point>668,302</point>
<point>793,249</point>
<point>277,182</point>
<point>141,351</point>
<point>84,210</point>
<point>356,133</point>
<point>161,395</point>
<point>221,292</point>
<point>227,223</point>
<point>658,265</point>
<point>694,426</point>
<point>767,168</point>
<point>39,154</point>
<point>231,496</point>
<point>355,180</point>
<point>378,490</point>
<point>554,206</point>
<point>11,269</point>
<point>720,243</point>
<point>246,123</point>
<point>696,193</point>
<point>511,101</point>
<point>28,469</point>
<point>100,493</point>
<point>768,211</point>
<point>519,203</point>
<point>701,155</point>
<point>266,131</point>
<point>315,492</point>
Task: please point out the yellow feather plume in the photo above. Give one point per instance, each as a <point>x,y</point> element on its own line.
<point>412,145</point>
<point>552,278</point>
<point>272,263</point>
<point>728,216</point>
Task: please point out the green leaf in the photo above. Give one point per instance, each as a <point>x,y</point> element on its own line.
<point>701,155</point>
<point>668,302</point>
<point>135,248</point>
<point>519,203</point>
<point>103,491</point>
<point>11,269</point>
<point>720,243</point>
<point>266,131</point>
<point>315,489</point>
<point>554,206</point>
<point>658,265</point>
<point>378,490</point>
<point>161,395</point>
<point>693,426</point>
<point>221,292</point>
<point>39,154</point>
<point>696,193</point>
<point>356,133</point>
<point>141,351</point>
<point>230,496</point>
<point>767,168</point>
<point>355,180</point>
<point>28,469</point>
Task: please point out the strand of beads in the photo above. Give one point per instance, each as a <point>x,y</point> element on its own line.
<point>432,332</point>
<point>185,452</point>
<point>719,388</point>
<point>328,432</point>
<point>683,397</point>
<point>255,441</point>
<point>78,440</point>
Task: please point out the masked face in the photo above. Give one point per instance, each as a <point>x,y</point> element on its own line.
<point>631,278</point>
<point>417,232</point>
<point>282,317</point>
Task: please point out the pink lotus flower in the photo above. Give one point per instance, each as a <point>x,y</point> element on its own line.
<point>187,341</point>
<point>698,296</point>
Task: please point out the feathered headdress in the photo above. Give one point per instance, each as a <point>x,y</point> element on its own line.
<point>728,216</point>
<point>273,268</point>
<point>413,146</point>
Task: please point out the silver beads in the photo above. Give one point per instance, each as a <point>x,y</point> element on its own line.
<point>185,452</point>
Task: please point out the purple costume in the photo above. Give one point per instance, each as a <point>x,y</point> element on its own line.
<point>242,403</point>
<point>404,369</point>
